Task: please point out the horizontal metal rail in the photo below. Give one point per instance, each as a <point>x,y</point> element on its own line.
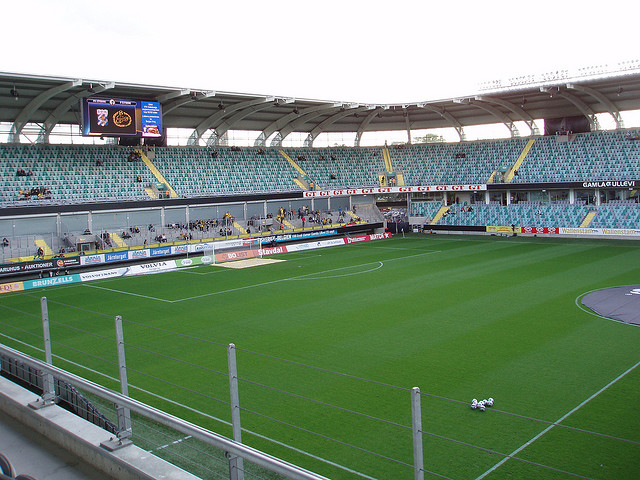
<point>250,454</point>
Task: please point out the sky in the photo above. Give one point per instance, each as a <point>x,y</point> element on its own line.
<point>382,52</point>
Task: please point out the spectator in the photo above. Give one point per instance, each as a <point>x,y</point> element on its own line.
<point>5,242</point>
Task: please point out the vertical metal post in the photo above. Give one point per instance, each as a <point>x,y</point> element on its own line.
<point>124,414</point>
<point>48,386</point>
<point>236,467</point>
<point>416,415</point>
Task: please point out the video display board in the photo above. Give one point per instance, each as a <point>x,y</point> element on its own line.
<point>113,117</point>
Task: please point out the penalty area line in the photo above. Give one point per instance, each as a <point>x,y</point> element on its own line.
<point>128,293</point>
<point>575,409</point>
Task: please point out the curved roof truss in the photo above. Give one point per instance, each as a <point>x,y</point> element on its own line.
<point>608,104</point>
<point>25,115</point>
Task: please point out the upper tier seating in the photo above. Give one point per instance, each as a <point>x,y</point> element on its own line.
<point>94,173</point>
<point>597,156</point>
<point>454,163</point>
<point>194,171</point>
<point>340,167</point>
<point>82,173</point>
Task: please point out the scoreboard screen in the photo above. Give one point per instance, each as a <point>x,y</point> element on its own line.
<point>112,117</point>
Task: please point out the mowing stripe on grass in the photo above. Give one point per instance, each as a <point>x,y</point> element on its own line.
<point>378,264</point>
<point>127,293</point>
<point>526,444</point>
<point>295,278</point>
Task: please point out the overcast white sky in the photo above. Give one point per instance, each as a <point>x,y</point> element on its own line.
<point>391,51</point>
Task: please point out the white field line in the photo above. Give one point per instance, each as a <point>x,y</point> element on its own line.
<point>298,277</point>
<point>216,270</point>
<point>380,265</point>
<point>126,293</point>
<point>175,442</point>
<point>245,287</point>
<point>526,444</point>
<point>586,310</point>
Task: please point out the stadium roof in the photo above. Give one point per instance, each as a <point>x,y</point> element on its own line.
<point>48,101</point>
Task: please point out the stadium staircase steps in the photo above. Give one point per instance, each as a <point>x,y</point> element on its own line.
<point>588,219</point>
<point>150,192</point>
<point>355,217</point>
<point>45,248</point>
<point>157,174</point>
<point>301,184</point>
<point>386,155</point>
<point>288,224</point>
<point>117,239</point>
<point>440,213</point>
<point>240,228</point>
<point>387,159</point>
<point>302,173</point>
<point>492,177</point>
<point>519,161</point>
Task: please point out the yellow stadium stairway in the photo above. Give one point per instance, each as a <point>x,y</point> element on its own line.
<point>386,155</point>
<point>492,177</point>
<point>157,174</point>
<point>302,173</point>
<point>588,219</point>
<point>521,158</point>
<point>288,224</point>
<point>440,213</point>
<point>300,184</point>
<point>240,228</point>
<point>45,248</point>
<point>387,159</point>
<point>150,192</point>
<point>353,216</point>
<point>117,239</point>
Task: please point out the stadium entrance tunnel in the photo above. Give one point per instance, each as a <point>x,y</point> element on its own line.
<point>616,303</point>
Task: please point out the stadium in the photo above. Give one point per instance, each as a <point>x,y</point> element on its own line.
<point>210,284</point>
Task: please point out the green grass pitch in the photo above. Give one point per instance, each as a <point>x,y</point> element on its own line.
<point>458,316</point>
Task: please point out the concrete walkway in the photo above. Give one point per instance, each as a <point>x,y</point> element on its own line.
<point>30,454</point>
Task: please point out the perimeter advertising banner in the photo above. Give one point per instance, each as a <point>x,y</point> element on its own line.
<point>11,287</point>
<point>627,232</point>
<point>51,281</point>
<point>369,191</point>
<point>502,229</point>
<point>366,238</point>
<point>241,255</point>
<point>535,230</point>
<point>194,261</point>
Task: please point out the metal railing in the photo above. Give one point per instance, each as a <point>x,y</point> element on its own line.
<point>232,448</point>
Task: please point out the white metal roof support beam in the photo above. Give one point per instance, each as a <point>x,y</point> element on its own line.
<point>303,119</point>
<point>608,104</point>
<point>502,117</point>
<point>183,101</point>
<point>318,129</point>
<point>517,110</point>
<point>228,124</point>
<point>365,123</point>
<point>407,124</point>
<point>25,115</point>
<point>450,118</point>
<point>281,122</point>
<point>55,116</point>
<point>206,124</point>
<point>579,104</point>
<point>584,109</point>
